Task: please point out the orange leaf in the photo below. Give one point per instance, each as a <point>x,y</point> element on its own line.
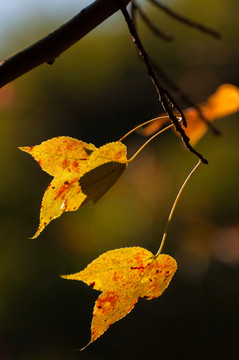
<point>124,275</point>
<point>81,173</point>
<point>223,102</point>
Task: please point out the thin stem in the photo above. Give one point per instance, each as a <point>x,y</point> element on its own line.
<point>152,27</point>
<point>185,98</point>
<point>173,208</point>
<point>185,20</point>
<point>148,141</point>
<point>145,123</point>
<point>133,12</point>
<point>162,74</point>
<point>164,97</point>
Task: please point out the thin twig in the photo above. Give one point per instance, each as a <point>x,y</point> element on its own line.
<point>182,95</point>
<point>50,47</point>
<point>133,12</point>
<point>164,97</point>
<point>186,21</point>
<point>152,27</point>
<point>185,98</point>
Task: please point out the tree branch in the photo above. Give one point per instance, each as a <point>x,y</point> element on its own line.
<point>164,97</point>
<point>185,20</point>
<point>50,47</point>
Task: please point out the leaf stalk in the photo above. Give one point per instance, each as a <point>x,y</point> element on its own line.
<point>173,208</point>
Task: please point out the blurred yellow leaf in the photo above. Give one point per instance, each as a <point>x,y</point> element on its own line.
<point>81,173</point>
<point>223,102</point>
<point>124,275</point>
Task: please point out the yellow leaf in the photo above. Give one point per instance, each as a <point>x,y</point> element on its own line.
<point>95,183</point>
<point>106,165</point>
<point>81,173</point>
<point>223,102</point>
<point>61,154</point>
<point>124,275</point>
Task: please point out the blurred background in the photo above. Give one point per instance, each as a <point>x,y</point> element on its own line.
<point>97,91</point>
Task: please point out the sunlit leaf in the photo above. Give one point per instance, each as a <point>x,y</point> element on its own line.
<point>124,275</point>
<point>223,102</point>
<point>81,173</point>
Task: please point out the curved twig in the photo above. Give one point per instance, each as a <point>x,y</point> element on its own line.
<point>186,20</point>
<point>152,27</point>
<point>185,98</point>
<point>164,97</point>
<point>182,95</point>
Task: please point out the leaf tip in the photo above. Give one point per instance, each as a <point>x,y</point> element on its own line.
<point>27,149</point>
<point>36,234</point>
<point>32,237</point>
<point>64,276</point>
<point>85,346</point>
<point>70,276</point>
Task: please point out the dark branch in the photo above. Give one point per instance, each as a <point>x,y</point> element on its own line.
<point>133,12</point>
<point>54,44</point>
<point>164,97</point>
<point>185,20</point>
<point>152,27</point>
<point>181,94</point>
<point>185,98</point>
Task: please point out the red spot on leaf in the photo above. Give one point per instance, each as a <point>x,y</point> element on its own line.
<point>137,267</point>
<point>109,302</point>
<point>62,190</point>
<point>65,163</point>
